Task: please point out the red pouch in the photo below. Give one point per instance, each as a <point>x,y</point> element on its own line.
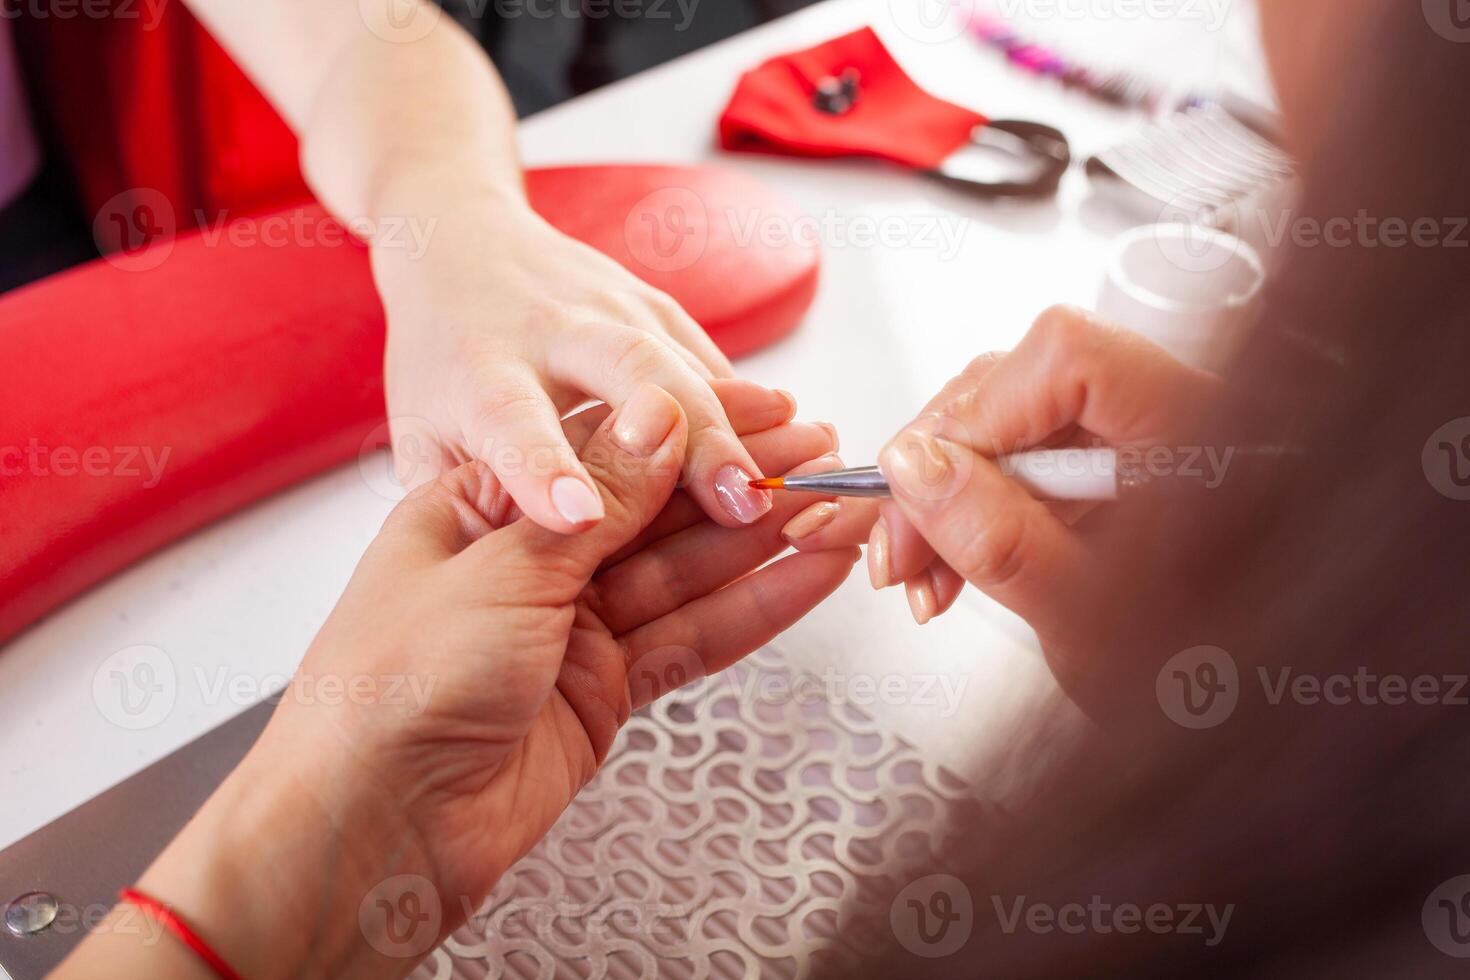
<point>849,97</point>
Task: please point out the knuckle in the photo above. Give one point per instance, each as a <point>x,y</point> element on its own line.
<point>595,598</point>
<point>548,576</point>
<point>509,408</point>
<point>1064,330</point>
<point>511,400</point>
<point>1071,343</point>
<point>624,307</point>
<point>668,310</point>
<point>996,556</point>
<point>704,426</point>
<point>982,364</point>
<point>622,498</point>
<point>621,479</point>
<point>638,356</point>
<point>542,317</point>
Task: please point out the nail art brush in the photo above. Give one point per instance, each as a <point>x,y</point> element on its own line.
<point>1048,474</point>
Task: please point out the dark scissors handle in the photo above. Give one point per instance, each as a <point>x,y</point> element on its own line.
<point>1041,154</point>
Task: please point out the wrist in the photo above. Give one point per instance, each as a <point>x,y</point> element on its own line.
<point>286,872</point>
<point>448,190</point>
<point>439,258</point>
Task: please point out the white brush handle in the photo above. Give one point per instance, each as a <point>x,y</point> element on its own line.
<point>1073,473</point>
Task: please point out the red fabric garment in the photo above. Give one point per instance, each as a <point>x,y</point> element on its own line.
<point>893,119</point>
<point>146,99</point>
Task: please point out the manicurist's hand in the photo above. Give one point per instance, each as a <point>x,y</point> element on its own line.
<point>493,664</point>
<point>955,517</point>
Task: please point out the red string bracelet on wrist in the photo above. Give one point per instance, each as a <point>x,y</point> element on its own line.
<point>161,914</point>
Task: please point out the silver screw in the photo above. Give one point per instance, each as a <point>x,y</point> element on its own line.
<point>31,913</point>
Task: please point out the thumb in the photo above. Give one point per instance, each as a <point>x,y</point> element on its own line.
<point>634,458</point>
<point>983,524</point>
<point>439,519</point>
<point>518,432</point>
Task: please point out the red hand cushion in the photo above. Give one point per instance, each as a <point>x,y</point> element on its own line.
<point>140,405</point>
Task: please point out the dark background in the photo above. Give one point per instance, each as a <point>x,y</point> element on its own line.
<point>546,50</point>
<point>550,50</point>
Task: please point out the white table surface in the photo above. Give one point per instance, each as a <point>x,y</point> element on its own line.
<point>241,599</point>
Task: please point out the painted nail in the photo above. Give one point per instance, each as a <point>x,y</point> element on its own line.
<point>880,572</point>
<point>917,464</point>
<point>831,431</point>
<point>740,500</point>
<point>575,501</point>
<point>810,521</point>
<point>644,421</point>
<point>923,601</point>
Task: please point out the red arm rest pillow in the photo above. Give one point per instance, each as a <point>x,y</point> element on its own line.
<point>139,406</point>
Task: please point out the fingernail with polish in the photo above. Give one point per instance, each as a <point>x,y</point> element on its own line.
<point>644,421</point>
<point>740,500</point>
<point>879,570</point>
<point>917,464</point>
<point>575,501</point>
<point>810,521</point>
<point>923,602</point>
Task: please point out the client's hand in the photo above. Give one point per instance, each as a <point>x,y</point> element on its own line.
<point>504,325</point>
<point>956,518</point>
<point>483,673</point>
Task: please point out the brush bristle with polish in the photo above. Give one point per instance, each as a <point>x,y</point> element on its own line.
<point>769,483</point>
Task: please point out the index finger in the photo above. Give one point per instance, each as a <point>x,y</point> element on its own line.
<point>610,362</point>
<point>1073,369</point>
